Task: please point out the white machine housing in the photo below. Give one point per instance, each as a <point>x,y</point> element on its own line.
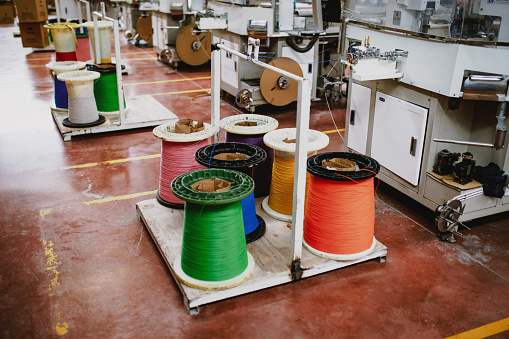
<point>395,121</point>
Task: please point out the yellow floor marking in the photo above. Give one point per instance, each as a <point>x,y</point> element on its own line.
<point>151,58</point>
<point>51,267</point>
<point>165,81</point>
<point>107,162</point>
<point>181,92</point>
<point>334,131</point>
<point>120,197</point>
<point>149,53</point>
<point>484,331</point>
<point>61,328</point>
<point>44,212</point>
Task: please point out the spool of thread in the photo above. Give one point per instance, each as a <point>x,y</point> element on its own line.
<point>104,52</point>
<point>82,109</point>
<point>210,156</point>
<point>177,157</point>
<point>64,39</point>
<point>279,203</point>
<point>340,207</point>
<point>214,254</point>
<point>250,129</point>
<point>58,67</point>
<point>105,88</point>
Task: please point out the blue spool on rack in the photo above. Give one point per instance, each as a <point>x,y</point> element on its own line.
<point>61,98</point>
<point>59,67</point>
<point>254,225</point>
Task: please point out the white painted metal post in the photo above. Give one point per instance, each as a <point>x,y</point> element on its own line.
<point>57,7</point>
<point>97,54</point>
<point>299,182</point>
<point>215,88</point>
<point>118,64</point>
<point>80,15</point>
<point>118,60</point>
<point>301,155</point>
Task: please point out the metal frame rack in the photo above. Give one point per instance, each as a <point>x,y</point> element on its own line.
<point>271,252</point>
<point>144,110</point>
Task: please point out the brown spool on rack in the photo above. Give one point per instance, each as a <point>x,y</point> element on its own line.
<point>277,89</point>
<point>193,47</point>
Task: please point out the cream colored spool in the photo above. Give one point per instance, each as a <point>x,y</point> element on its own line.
<point>58,67</point>
<point>64,36</point>
<point>79,83</point>
<point>104,39</point>
<point>166,132</point>
<point>214,285</point>
<point>264,123</point>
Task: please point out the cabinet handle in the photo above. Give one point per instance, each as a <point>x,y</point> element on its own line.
<point>352,117</point>
<point>413,144</point>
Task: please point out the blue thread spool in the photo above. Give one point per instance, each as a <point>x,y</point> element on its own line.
<point>59,67</point>
<point>254,225</point>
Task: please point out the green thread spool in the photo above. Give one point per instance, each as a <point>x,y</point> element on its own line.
<point>214,254</point>
<point>105,88</point>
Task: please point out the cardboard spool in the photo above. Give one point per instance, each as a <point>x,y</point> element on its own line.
<point>192,48</point>
<point>276,89</point>
<point>211,185</point>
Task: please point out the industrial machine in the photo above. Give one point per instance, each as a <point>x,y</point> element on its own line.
<point>428,90</point>
<point>176,37</point>
<point>296,36</point>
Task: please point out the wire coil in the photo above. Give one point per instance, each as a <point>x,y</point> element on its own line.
<point>254,225</point>
<point>214,254</point>
<point>340,207</point>
<point>177,157</point>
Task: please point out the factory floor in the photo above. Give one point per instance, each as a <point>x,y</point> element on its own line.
<point>76,260</point>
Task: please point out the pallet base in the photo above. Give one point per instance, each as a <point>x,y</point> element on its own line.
<point>144,111</point>
<point>271,253</point>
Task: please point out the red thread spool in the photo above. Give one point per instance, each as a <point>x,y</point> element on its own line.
<point>177,157</point>
<point>340,207</point>
<point>66,56</point>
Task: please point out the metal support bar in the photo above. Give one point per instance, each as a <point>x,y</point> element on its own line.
<point>303,110</point>
<point>468,143</point>
<point>118,59</point>
<point>261,64</point>
<point>215,88</point>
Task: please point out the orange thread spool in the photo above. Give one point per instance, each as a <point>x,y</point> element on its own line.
<point>340,208</point>
<point>279,203</point>
<point>281,185</point>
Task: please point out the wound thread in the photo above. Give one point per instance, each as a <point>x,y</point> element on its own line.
<point>61,98</point>
<point>281,187</point>
<point>339,214</point>
<point>262,174</point>
<point>66,56</point>
<point>177,158</point>
<point>82,110</point>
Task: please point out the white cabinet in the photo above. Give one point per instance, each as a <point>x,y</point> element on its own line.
<point>398,136</point>
<point>359,117</point>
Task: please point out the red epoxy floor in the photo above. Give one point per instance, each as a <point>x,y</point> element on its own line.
<point>91,270</point>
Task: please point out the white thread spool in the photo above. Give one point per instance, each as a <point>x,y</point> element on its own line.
<point>104,39</point>
<point>64,36</point>
<point>82,108</point>
<point>59,67</point>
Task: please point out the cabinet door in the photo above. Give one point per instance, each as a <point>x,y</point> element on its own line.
<point>398,136</point>
<point>359,117</point>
